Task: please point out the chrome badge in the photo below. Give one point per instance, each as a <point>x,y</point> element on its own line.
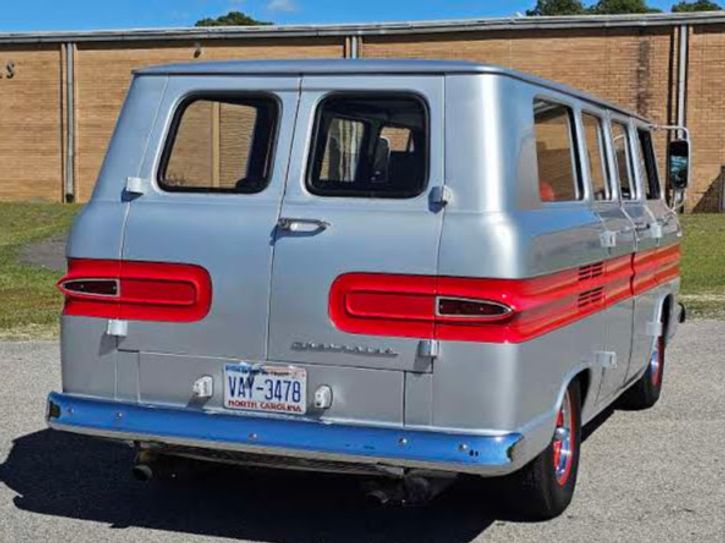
<point>347,349</point>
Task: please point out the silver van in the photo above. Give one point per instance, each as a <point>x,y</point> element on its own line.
<point>403,269</point>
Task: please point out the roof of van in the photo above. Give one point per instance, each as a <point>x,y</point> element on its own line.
<point>366,66</point>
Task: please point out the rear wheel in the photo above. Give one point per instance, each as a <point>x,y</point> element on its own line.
<point>544,488</point>
<point>646,391</point>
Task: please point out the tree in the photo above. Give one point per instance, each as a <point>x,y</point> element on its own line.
<point>699,5</point>
<point>233,18</point>
<point>557,7</point>
<point>613,7</point>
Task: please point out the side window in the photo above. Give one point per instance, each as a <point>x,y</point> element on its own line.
<point>220,145</point>
<point>598,169</point>
<point>648,165</point>
<point>556,154</point>
<point>623,158</point>
<point>372,146</point>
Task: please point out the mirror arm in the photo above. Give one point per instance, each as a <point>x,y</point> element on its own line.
<point>672,128</point>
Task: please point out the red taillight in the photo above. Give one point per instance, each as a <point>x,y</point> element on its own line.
<point>469,309</point>
<point>136,290</point>
<point>417,306</point>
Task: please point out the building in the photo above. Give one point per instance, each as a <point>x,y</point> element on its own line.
<point>60,92</point>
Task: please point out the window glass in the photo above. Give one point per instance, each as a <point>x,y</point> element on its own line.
<point>648,165</point>
<point>370,146</point>
<point>221,146</point>
<point>598,171</point>
<point>556,156</point>
<point>623,158</point>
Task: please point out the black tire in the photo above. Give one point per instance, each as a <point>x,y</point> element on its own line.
<point>645,392</point>
<point>538,491</point>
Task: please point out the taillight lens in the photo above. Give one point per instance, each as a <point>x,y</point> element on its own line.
<point>480,309</point>
<point>155,291</point>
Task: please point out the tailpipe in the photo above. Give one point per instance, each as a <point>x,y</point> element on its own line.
<point>412,490</point>
<point>143,472</point>
<point>150,465</point>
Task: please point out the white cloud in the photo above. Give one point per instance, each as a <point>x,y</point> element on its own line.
<point>282,5</point>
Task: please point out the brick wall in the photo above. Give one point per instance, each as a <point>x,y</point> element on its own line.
<point>706,114</point>
<point>635,67</point>
<point>30,123</point>
<point>103,72</point>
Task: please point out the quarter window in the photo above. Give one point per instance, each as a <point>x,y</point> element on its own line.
<point>623,158</point>
<point>370,146</point>
<point>648,165</point>
<point>221,145</point>
<point>556,154</point>
<point>598,171</point>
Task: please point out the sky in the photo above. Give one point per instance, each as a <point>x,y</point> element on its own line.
<point>29,15</point>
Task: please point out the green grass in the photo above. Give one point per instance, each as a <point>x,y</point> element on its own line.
<point>703,265</point>
<point>30,304</point>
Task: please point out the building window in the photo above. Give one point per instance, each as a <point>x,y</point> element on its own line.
<point>221,145</point>
<point>648,165</point>
<point>558,167</point>
<point>373,146</point>
<point>623,159</point>
<point>598,169</point>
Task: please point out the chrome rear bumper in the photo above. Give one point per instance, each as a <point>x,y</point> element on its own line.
<point>466,453</point>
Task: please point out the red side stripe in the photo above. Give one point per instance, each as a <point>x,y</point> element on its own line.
<point>405,305</point>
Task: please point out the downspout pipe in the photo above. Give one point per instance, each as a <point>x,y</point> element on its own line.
<point>69,178</point>
<point>682,75</point>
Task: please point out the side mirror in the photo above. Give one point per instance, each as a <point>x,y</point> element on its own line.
<point>678,164</point>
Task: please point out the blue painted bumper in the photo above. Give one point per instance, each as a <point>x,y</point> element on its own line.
<point>456,452</point>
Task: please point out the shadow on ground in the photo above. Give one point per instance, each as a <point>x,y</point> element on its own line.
<point>70,476</point>
<point>61,474</point>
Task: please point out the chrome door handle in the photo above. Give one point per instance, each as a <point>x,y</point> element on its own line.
<point>642,226</point>
<point>302,225</point>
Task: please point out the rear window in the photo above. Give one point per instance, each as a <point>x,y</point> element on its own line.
<point>559,179</point>
<point>372,146</point>
<point>220,145</point>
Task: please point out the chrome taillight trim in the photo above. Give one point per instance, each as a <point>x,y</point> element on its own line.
<point>72,292</point>
<point>506,309</point>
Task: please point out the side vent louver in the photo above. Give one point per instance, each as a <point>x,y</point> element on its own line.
<point>591,271</point>
<point>591,297</point>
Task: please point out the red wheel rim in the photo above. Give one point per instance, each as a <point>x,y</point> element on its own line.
<point>563,443</point>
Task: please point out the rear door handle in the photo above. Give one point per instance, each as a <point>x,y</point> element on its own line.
<point>302,225</point>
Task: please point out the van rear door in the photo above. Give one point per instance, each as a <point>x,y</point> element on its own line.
<point>357,241</point>
<point>210,192</point>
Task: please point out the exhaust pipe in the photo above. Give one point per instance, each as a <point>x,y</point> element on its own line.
<point>150,465</point>
<point>143,472</point>
<point>413,490</point>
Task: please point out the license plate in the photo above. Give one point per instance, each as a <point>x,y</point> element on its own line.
<point>272,389</point>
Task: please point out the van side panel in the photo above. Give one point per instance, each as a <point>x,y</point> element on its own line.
<point>495,227</point>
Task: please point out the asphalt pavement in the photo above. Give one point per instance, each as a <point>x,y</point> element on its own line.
<point>657,475</point>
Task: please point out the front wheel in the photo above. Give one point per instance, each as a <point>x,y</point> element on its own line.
<point>544,488</point>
